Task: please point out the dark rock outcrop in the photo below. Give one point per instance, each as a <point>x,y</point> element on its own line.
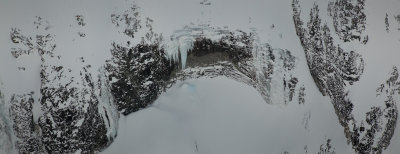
<point>71,120</point>
<point>138,75</point>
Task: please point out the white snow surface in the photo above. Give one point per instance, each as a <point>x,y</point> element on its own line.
<point>220,115</point>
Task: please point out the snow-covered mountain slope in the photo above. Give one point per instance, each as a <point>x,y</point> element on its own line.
<point>193,116</point>
<point>325,70</point>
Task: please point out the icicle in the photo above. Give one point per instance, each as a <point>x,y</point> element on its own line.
<point>185,44</point>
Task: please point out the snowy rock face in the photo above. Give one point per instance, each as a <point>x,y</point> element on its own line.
<point>141,73</point>
<point>76,108</point>
<point>71,120</point>
<point>138,75</point>
<point>349,19</point>
<point>390,89</point>
<point>333,69</point>
<point>23,124</point>
<point>74,113</point>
